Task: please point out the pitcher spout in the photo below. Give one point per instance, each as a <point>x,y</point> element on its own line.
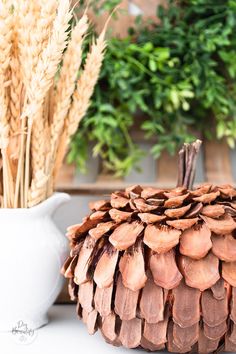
<point>49,206</point>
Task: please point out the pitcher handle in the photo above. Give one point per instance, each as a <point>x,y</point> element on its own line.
<point>49,206</point>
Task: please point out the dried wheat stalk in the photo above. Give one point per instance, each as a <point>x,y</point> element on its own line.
<point>39,136</point>
<point>66,84</point>
<point>81,96</point>
<point>43,79</point>
<point>15,102</point>
<point>5,49</point>
<point>24,12</point>
<point>38,114</point>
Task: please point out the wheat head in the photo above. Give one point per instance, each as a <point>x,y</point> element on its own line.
<point>82,95</point>
<point>67,80</point>
<point>49,61</point>
<point>85,86</point>
<point>38,151</point>
<point>40,86</point>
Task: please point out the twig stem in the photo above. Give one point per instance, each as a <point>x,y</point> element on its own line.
<point>187,164</point>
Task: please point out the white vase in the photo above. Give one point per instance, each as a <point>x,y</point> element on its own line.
<point>32,251</point>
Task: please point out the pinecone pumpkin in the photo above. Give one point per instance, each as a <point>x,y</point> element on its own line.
<point>156,268</point>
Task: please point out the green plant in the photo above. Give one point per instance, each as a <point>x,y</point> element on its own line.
<point>201,36</point>
<point>180,74</point>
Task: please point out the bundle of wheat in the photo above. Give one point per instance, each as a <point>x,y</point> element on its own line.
<point>157,268</point>
<point>38,113</point>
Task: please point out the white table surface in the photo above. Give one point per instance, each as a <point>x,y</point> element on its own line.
<point>64,334</point>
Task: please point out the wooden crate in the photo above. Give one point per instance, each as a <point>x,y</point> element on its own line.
<point>216,163</point>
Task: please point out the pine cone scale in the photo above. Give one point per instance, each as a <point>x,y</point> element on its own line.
<point>126,301</point>
<point>216,332</point>
<point>108,328</point>
<point>195,242</point>
<point>156,332</point>
<point>229,272</point>
<point>152,302</point>
<point>132,269</point>
<point>186,305</point>
<point>232,337</point>
<point>214,311</point>
<point>125,235</point>
<point>130,333</point>
<point>185,337</point>
<point>233,306</point>
<point>105,269</point>
<point>164,270</point>
<point>218,289</point>
<point>103,299</point>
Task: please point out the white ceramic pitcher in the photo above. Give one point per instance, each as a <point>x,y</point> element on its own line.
<point>32,251</point>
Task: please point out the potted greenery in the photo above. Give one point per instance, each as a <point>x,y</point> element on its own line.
<point>179,72</point>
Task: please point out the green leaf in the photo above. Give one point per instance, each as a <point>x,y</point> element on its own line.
<point>231,142</point>
<point>152,65</point>
<point>174,96</point>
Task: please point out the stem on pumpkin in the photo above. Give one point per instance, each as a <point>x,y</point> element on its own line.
<point>187,164</point>
<point>181,167</point>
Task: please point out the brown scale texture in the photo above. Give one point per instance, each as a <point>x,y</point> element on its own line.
<point>156,268</point>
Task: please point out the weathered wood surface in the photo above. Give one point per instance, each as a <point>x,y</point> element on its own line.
<point>216,164</point>
<point>126,14</point>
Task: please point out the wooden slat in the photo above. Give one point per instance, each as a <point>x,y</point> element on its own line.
<point>66,175</point>
<point>104,189</point>
<point>216,168</point>
<point>149,7</point>
<point>217,162</point>
<point>124,19</point>
<point>118,26</point>
<point>233,162</point>
<point>167,170</point>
